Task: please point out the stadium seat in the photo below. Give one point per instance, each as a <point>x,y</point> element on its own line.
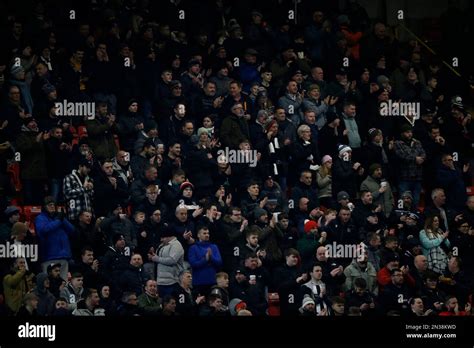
<point>14,170</point>
<point>82,131</point>
<point>273,304</point>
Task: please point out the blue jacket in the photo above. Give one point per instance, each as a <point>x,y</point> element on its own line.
<point>204,272</point>
<point>53,237</point>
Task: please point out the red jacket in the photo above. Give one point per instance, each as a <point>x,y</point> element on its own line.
<point>384,278</point>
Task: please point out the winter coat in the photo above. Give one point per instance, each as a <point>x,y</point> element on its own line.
<point>204,271</point>
<point>15,286</point>
<point>101,137</point>
<point>170,259</point>
<point>33,157</point>
<point>53,237</point>
<point>385,199</point>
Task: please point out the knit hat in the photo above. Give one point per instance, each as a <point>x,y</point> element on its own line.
<point>11,210</point>
<point>258,212</point>
<point>48,88</point>
<point>310,225</point>
<point>185,185</point>
<point>48,200</point>
<point>193,62</point>
<point>131,101</point>
<point>19,228</point>
<point>314,86</point>
<point>342,195</point>
<point>235,305</point>
<point>306,300</point>
<point>373,132</point>
<point>167,231</point>
<point>16,69</point>
<point>406,128</point>
<point>175,83</point>
<point>326,158</point>
<point>27,120</point>
<point>116,237</point>
<point>373,168</point>
<point>201,131</point>
<point>343,149</point>
<point>407,194</point>
<point>270,125</point>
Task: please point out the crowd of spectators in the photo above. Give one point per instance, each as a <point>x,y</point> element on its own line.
<point>144,209</point>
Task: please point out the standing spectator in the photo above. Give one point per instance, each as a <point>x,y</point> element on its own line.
<point>110,189</point>
<point>205,260</point>
<point>30,144</point>
<point>361,268</point>
<point>53,231</point>
<point>451,180</point>
<point>17,284</point>
<point>73,292</point>
<point>133,278</point>
<point>324,181</point>
<point>380,189</point>
<point>100,130</point>
<point>345,172</point>
<point>169,257</point>
<point>234,128</point>
<point>411,156</point>
<point>78,190</point>
<point>433,239</point>
<point>45,298</point>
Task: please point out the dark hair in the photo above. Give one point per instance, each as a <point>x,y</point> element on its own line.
<point>337,299</point>
<point>360,283</point>
<point>393,271</point>
<point>86,248</point>
<point>167,299</point>
<point>292,251</point>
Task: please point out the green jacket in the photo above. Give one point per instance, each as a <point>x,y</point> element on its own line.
<point>33,158</point>
<point>353,271</point>
<point>101,138</point>
<point>233,131</point>
<point>149,305</point>
<point>16,286</point>
<point>307,245</point>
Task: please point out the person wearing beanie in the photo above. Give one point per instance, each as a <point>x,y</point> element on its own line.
<point>54,232</point>
<point>307,308</point>
<point>380,189</point>
<point>411,156</point>
<point>18,79</point>
<point>129,126</point>
<point>345,172</point>
<point>332,134</point>
<point>310,241</point>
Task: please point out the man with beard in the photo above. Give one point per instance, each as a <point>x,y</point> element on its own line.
<point>57,154</point>
<point>140,161</point>
<point>121,164</point>
<point>411,157</point>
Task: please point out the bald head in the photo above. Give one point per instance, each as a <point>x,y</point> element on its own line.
<point>421,263</point>
<point>321,254</point>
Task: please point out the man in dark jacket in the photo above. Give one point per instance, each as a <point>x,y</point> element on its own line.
<point>133,278</point>
<point>110,190</point>
<point>451,180</point>
<point>304,188</point>
<point>101,131</point>
<point>287,281</point>
<point>30,145</point>
<point>345,172</point>
<point>130,125</point>
<point>234,128</point>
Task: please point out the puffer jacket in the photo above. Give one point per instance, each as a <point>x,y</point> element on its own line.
<point>170,259</point>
